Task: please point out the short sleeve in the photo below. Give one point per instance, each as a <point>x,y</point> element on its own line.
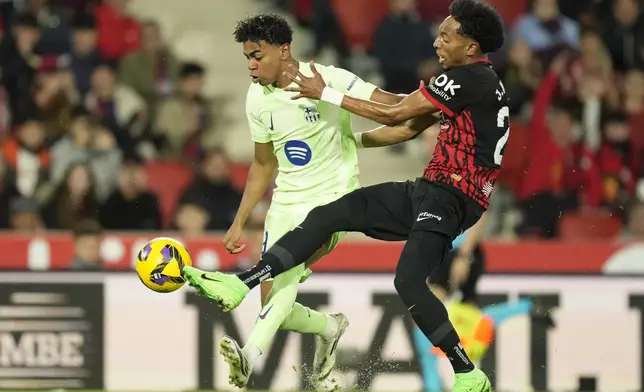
<point>348,83</point>
<point>258,131</point>
<point>449,91</point>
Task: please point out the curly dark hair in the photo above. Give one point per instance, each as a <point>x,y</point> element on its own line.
<point>481,22</point>
<point>271,28</point>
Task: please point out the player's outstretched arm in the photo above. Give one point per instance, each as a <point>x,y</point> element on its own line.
<point>413,105</point>
<point>389,135</point>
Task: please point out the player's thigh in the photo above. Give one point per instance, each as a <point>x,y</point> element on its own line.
<point>383,211</point>
<point>440,210</point>
<point>325,249</point>
<point>276,225</point>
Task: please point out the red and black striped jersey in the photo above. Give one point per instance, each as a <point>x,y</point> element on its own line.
<point>475,126</point>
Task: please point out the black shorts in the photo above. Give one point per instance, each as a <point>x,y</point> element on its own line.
<point>390,211</point>
<point>441,275</point>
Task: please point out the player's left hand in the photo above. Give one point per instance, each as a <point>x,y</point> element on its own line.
<point>459,272</point>
<point>306,87</point>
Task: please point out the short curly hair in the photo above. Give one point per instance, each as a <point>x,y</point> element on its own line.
<point>481,22</point>
<point>271,28</point>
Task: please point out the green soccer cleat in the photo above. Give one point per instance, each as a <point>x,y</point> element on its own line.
<point>239,366</point>
<point>474,381</point>
<point>226,289</point>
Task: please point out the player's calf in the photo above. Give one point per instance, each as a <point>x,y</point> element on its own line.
<point>424,249</point>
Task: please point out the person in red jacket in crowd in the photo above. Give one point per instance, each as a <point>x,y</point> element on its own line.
<point>118,33</point>
<point>561,174</point>
<point>619,164</point>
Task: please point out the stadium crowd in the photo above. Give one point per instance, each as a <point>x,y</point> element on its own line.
<point>97,114</point>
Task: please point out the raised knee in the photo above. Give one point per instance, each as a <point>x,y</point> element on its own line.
<point>409,286</point>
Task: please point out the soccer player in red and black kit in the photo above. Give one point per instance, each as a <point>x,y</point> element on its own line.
<point>470,103</point>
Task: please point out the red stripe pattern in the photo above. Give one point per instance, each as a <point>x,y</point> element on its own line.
<point>453,162</point>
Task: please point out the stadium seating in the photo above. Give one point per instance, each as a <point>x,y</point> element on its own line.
<point>359,19</point>
<point>167,180</point>
<point>239,174</point>
<point>589,226</point>
<point>510,10</point>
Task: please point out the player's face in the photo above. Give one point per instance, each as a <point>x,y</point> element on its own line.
<point>452,48</point>
<point>264,61</point>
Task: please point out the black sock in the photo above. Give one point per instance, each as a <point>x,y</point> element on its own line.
<point>268,267</point>
<point>445,338</point>
<point>453,349</point>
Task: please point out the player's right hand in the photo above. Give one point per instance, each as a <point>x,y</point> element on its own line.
<point>231,239</point>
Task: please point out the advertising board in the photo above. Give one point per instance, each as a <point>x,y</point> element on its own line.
<point>168,342</point>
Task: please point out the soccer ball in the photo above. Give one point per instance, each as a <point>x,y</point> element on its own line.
<point>160,262</point>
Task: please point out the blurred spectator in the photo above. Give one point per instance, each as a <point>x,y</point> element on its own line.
<point>70,9</point>
<point>8,192</point>
<point>121,110</point>
<point>545,29</point>
<point>191,219</point>
<point>91,143</point>
<point>521,76</point>
<point>131,206</point>
<point>402,43</point>
<point>623,34</point>
<point>213,190</point>
<point>634,93</point>
<point>73,199</point>
<point>87,246</point>
<point>618,162</point>
<point>633,88</point>
<point>55,96</point>
<point>560,175</point>
<point>152,70</point>
<point>84,53</point>
<point>18,61</point>
<point>595,58</point>
<point>327,32</point>
<point>25,215</point>
<point>55,37</point>
<point>118,33</point>
<point>27,157</point>
<point>185,121</point>
<point>434,11</point>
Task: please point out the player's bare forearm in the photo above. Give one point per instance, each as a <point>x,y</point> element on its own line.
<point>260,175</point>
<point>386,97</point>
<point>390,135</point>
<point>413,105</point>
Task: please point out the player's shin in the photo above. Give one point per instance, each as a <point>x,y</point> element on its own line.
<point>302,319</point>
<point>275,311</point>
<point>270,318</point>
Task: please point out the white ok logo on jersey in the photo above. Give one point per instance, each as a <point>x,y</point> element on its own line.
<point>447,84</point>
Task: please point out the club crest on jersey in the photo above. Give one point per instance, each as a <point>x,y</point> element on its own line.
<point>297,152</point>
<point>311,114</point>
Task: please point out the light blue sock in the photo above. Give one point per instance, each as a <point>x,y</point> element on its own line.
<point>501,312</point>
<point>428,363</point>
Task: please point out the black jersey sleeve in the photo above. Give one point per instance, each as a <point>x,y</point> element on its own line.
<point>450,92</point>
